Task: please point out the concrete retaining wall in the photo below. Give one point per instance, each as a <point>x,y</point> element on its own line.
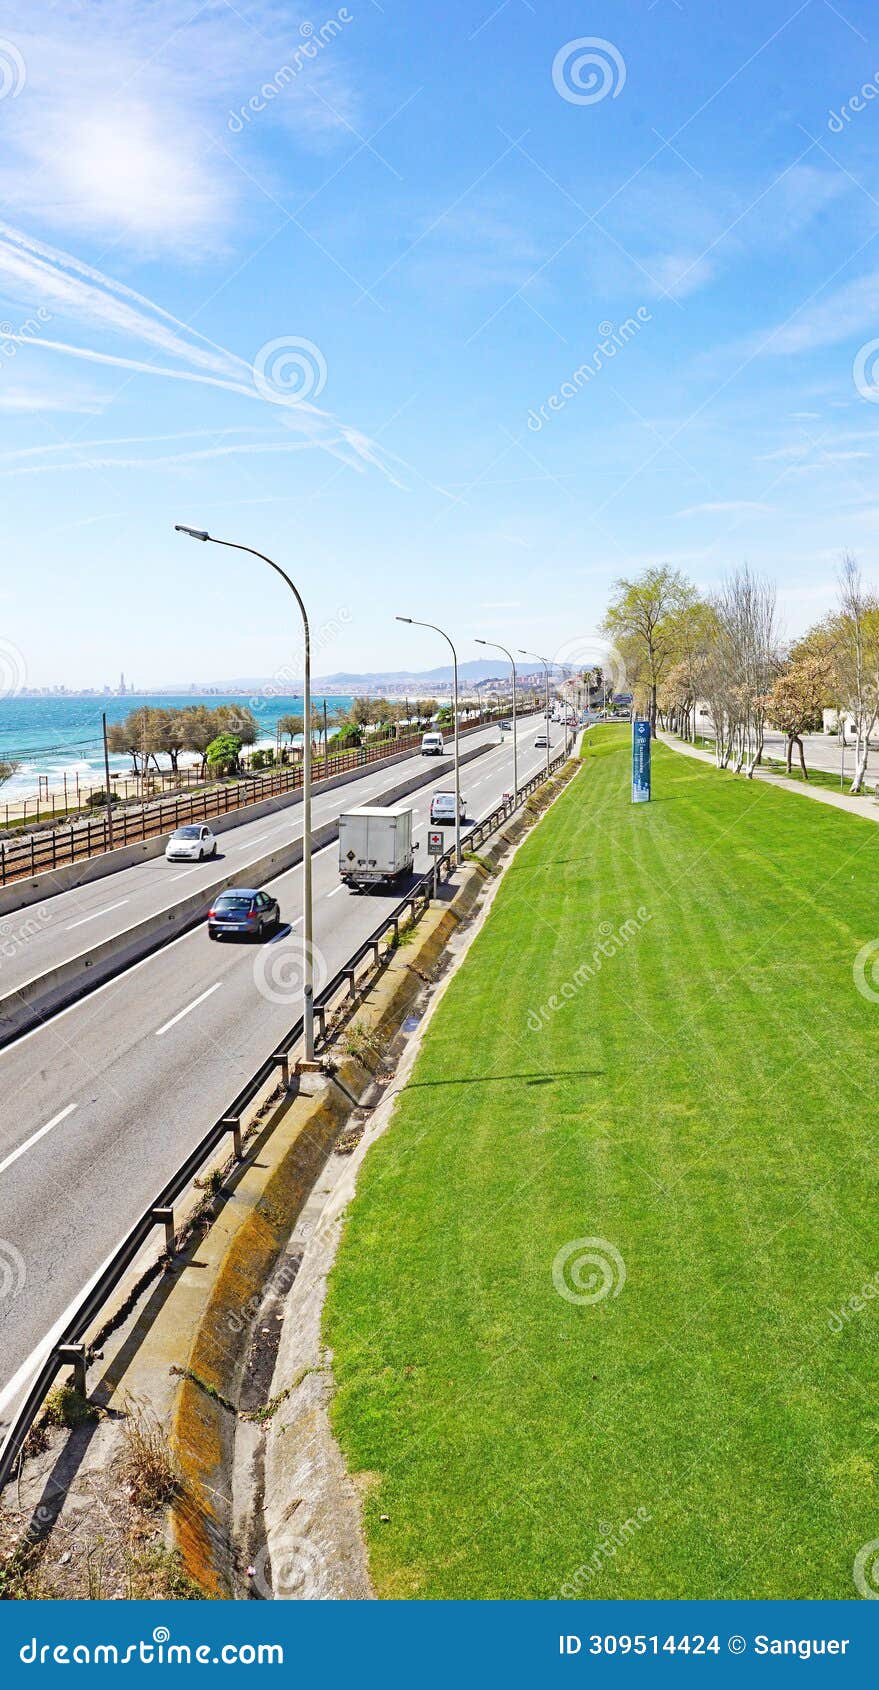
<point>53,990</point>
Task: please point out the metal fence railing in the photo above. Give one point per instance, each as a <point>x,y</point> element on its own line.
<point>23,857</point>
<point>69,1349</point>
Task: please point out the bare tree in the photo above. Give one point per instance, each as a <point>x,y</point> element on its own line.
<point>855,630</point>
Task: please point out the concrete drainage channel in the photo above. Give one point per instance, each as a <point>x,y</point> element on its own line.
<point>47,993</point>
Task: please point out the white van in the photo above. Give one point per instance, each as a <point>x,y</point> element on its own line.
<point>432,745</point>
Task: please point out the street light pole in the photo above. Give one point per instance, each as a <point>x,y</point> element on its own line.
<point>496,647</point>
<point>307,898</point>
<point>542,660</point>
<point>414,623</point>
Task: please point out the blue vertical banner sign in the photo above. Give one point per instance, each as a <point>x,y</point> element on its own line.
<point>640,762</point>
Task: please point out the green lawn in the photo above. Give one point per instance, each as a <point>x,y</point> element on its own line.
<point>704,1105</point>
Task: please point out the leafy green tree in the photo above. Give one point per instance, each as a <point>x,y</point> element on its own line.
<point>642,620</point>
<point>223,754</point>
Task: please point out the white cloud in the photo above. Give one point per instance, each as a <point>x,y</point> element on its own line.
<point>60,285</point>
<point>850,310</point>
<point>121,128</point>
<point>724,507</point>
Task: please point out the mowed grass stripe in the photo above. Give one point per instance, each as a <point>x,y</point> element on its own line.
<point>704,1103</point>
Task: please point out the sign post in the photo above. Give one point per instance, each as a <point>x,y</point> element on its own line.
<point>640,762</point>
<point>436,846</point>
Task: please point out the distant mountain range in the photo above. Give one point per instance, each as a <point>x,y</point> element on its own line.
<point>475,669</point>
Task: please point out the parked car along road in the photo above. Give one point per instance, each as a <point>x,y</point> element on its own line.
<point>241,909</point>
<point>442,809</point>
<point>191,844</point>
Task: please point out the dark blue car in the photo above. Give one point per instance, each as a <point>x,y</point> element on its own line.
<point>242,910</point>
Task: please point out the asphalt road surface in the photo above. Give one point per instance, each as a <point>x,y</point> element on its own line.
<point>106,1099</point>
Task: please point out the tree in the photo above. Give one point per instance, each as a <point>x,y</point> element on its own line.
<point>223,753</point>
<point>854,631</point>
<point>797,699</point>
<point>290,727</point>
<point>8,767</point>
<point>640,620</point>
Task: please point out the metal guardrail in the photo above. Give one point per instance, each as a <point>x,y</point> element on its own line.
<point>70,1349</point>
<point>24,857</point>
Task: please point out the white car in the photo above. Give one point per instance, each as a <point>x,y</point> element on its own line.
<point>542,742</point>
<point>191,844</point>
<point>442,809</point>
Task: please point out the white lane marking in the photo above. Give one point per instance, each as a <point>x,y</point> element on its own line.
<point>243,843</point>
<point>184,871</point>
<point>297,923</point>
<point>40,1133</point>
<point>336,889</point>
<point>190,1006</point>
<point>95,914</point>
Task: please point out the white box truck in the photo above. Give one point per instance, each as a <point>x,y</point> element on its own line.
<point>375,845</point>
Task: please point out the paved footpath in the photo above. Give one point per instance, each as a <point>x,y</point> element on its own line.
<point>865,807</point>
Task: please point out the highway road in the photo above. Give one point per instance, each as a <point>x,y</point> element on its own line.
<point>106,1099</point>
<point>42,936</point>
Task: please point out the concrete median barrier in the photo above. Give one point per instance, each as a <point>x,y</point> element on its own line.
<point>54,989</point>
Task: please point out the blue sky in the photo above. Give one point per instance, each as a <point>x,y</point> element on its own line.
<point>340,328</point>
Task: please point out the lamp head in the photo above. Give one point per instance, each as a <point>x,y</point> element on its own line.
<point>195,533</point>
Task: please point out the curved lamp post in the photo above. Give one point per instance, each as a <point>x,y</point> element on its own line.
<point>542,660</point>
<point>497,647</point>
<point>414,623</point>
<point>308,908</point>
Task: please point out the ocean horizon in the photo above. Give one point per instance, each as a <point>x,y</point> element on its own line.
<point>60,735</point>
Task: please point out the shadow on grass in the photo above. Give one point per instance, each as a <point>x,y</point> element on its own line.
<point>519,1079</point>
